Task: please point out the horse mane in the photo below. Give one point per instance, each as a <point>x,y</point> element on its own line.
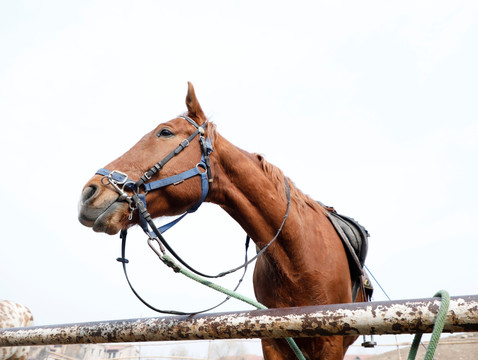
<point>301,200</point>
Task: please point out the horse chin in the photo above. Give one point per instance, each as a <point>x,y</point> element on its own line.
<point>107,220</point>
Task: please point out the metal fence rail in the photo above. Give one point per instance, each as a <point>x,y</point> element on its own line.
<point>387,317</point>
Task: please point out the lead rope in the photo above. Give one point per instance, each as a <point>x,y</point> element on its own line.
<point>170,263</point>
<point>437,329</point>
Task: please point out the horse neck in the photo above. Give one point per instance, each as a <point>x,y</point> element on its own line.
<point>251,191</point>
<point>307,263</point>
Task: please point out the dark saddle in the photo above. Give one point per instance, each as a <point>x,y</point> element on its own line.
<point>355,239</point>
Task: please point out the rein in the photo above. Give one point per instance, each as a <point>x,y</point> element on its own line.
<point>137,201</point>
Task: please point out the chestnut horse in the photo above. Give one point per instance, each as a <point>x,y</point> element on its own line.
<point>307,264</point>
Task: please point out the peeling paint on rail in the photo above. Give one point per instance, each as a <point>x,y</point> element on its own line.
<point>390,317</point>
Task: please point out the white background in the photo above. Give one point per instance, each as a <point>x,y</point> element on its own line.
<point>370,107</point>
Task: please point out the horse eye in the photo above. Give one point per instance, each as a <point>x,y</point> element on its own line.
<point>165,133</point>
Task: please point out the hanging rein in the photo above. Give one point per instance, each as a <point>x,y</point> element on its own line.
<point>137,201</point>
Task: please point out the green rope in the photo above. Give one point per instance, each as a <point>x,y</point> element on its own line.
<point>437,329</point>
<point>170,262</point>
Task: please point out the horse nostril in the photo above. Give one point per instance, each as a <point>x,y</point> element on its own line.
<point>89,193</point>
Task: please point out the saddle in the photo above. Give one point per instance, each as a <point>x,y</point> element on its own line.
<point>355,240</point>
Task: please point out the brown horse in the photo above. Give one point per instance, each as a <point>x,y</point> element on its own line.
<point>307,265</point>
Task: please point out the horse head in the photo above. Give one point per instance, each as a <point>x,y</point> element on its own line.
<point>106,201</point>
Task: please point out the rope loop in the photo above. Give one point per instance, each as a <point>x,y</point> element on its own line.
<point>437,328</point>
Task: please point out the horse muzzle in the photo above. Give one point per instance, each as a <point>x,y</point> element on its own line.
<point>100,209</point>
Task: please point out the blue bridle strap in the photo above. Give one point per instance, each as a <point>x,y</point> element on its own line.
<point>122,178</point>
<point>117,176</point>
<point>175,179</point>
<point>137,201</point>
<point>166,182</point>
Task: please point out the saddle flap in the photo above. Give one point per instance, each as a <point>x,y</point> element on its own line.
<point>354,237</point>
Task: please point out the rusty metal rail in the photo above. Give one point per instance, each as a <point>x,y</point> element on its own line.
<point>387,317</point>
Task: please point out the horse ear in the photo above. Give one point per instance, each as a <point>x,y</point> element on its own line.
<point>194,109</point>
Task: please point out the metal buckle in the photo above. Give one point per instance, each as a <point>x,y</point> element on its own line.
<point>161,251</point>
<point>201,165</point>
<point>119,182</point>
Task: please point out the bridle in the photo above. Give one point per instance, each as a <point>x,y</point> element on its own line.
<point>121,182</point>
<point>137,201</point>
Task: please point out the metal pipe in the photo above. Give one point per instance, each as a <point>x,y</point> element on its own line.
<point>387,317</point>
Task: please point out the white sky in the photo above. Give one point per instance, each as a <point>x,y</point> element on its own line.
<point>370,107</point>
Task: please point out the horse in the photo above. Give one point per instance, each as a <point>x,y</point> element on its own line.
<point>14,315</point>
<point>308,263</point>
